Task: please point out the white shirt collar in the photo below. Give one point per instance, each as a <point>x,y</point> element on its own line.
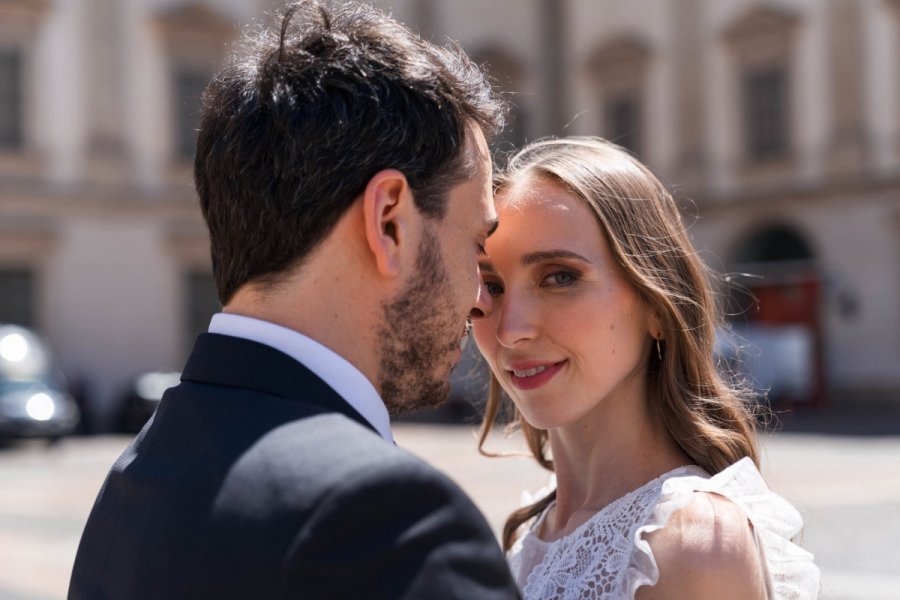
<point>330,367</point>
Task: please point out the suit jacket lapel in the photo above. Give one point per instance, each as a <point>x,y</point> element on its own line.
<point>236,362</point>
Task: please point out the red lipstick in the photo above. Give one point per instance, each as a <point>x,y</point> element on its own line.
<point>531,375</point>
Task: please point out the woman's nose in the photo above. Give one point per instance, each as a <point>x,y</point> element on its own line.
<point>518,320</point>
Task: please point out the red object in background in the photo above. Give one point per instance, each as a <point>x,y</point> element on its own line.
<point>794,302</point>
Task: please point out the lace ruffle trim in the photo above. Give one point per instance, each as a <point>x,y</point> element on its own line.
<point>793,576</point>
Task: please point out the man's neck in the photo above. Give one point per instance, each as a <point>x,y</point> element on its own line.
<point>344,327</point>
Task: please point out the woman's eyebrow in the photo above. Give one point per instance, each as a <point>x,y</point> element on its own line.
<point>536,257</point>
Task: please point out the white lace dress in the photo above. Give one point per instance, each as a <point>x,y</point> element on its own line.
<point>608,557</point>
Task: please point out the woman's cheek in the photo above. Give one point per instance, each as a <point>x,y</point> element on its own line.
<point>482,332</point>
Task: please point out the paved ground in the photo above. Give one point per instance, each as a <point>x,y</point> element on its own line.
<point>846,486</point>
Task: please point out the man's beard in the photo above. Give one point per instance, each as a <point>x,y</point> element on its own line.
<point>421,328</point>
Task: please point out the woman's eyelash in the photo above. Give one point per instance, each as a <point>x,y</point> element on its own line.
<point>559,278</point>
<point>493,288</point>
<point>568,278</point>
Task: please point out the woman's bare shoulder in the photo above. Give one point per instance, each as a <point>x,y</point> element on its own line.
<point>706,550</point>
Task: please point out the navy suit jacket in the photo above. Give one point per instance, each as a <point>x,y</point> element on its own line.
<point>254,479</point>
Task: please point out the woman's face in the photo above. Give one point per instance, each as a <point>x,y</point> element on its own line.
<point>567,333</point>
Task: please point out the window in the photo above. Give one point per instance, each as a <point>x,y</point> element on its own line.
<point>623,118</point>
<point>619,69</point>
<point>201,303</point>
<point>194,35</point>
<point>772,244</point>
<point>17,297</point>
<point>763,43</point>
<point>189,86</point>
<point>507,76</point>
<point>765,113</point>
<point>10,99</point>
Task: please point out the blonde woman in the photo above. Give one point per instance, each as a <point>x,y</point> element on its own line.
<point>601,330</point>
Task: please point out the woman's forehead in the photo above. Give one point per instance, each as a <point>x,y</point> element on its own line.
<point>546,206</point>
<point>536,191</point>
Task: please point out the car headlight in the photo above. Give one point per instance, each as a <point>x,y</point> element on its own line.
<point>13,347</point>
<point>40,407</point>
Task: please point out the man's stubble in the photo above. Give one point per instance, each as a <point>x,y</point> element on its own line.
<point>421,330</point>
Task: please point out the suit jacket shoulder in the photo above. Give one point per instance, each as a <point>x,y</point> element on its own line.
<point>254,479</point>
<point>401,528</point>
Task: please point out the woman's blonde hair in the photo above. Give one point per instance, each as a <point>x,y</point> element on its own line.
<point>705,411</point>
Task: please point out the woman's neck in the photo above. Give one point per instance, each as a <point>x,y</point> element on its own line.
<point>602,458</point>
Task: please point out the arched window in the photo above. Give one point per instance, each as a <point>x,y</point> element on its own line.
<point>761,43</point>
<point>25,247</point>
<point>618,69</point>
<point>772,254</point>
<point>195,37</point>
<point>20,23</point>
<point>778,243</point>
<point>778,316</point>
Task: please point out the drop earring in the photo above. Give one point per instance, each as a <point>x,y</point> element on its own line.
<point>658,350</point>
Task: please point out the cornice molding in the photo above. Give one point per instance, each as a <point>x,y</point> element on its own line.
<point>195,24</point>
<point>762,31</point>
<point>26,12</point>
<point>621,60</point>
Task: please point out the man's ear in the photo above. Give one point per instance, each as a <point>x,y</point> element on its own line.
<point>389,213</point>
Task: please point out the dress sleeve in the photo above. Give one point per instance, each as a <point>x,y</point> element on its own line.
<point>792,575</point>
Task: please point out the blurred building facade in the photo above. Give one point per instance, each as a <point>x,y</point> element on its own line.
<point>776,122</point>
<point>102,247</point>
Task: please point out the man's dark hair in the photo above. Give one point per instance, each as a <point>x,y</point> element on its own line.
<point>302,118</point>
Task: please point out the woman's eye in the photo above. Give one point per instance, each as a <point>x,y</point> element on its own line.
<point>493,288</point>
<point>560,278</point>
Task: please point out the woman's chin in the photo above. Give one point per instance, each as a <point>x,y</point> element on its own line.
<point>539,421</point>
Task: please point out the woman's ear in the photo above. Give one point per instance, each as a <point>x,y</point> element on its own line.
<point>389,214</point>
<point>654,323</point>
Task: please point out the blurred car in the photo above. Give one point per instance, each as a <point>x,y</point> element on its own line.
<point>33,397</point>
<point>142,396</point>
<point>468,394</point>
<point>775,361</point>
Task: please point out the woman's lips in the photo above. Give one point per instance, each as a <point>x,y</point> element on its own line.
<point>529,377</point>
